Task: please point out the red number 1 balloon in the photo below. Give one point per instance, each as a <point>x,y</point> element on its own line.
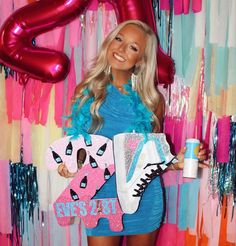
<point>18,31</point>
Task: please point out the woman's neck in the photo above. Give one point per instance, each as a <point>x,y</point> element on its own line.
<point>120,78</point>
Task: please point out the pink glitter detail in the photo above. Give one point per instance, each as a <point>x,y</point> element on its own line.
<point>132,144</point>
<point>90,211</point>
<point>76,200</point>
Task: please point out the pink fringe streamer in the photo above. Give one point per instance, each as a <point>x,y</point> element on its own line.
<point>231,223</point>
<point>182,6</point>
<point>178,7</point>
<point>26,141</point>
<point>20,3</point>
<point>58,106</point>
<point>59,87</point>
<point>5,211</point>
<point>6,10</point>
<point>14,92</point>
<point>75,32</point>
<point>71,81</point>
<point>164,4</point>
<point>196,5</point>
<point>223,142</point>
<point>170,235</point>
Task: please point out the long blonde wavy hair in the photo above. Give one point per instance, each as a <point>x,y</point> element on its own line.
<point>97,78</point>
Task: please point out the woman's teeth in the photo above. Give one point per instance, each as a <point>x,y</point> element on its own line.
<point>118,57</point>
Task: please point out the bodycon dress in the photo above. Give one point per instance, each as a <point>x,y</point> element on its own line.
<point>118,115</point>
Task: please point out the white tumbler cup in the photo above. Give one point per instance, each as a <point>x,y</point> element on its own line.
<point>190,158</point>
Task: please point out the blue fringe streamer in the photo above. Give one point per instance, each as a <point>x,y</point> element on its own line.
<point>24,195</point>
<point>223,175</point>
<point>7,71</point>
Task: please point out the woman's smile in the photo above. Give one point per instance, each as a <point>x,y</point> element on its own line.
<point>119,57</point>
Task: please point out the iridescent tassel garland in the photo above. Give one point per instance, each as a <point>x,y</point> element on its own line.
<point>24,194</point>
<point>223,175</point>
<point>8,71</point>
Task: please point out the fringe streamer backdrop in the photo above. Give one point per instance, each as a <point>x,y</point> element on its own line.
<point>200,104</point>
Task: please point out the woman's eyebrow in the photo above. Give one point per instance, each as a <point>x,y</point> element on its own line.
<point>119,33</point>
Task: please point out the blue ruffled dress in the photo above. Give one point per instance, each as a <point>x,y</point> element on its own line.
<point>119,115</point>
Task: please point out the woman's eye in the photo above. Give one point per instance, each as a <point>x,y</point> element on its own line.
<point>133,48</point>
<point>117,38</point>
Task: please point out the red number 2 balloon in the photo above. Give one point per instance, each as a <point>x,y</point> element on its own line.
<point>18,31</point>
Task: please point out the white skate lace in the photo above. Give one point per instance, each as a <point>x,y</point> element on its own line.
<point>150,176</point>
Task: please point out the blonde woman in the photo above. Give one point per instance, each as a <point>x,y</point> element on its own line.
<point>118,95</point>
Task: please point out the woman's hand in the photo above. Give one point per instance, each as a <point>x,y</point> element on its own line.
<point>202,156</point>
<point>64,172</point>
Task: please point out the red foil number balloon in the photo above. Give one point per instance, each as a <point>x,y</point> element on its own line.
<point>18,31</point>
